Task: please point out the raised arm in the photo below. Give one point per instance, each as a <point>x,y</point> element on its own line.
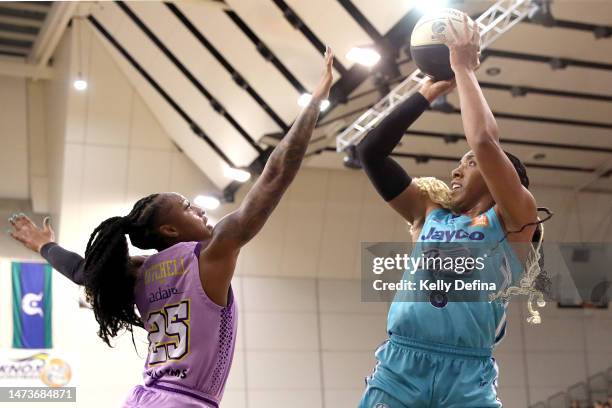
<point>515,203</point>
<point>217,259</point>
<point>42,241</point>
<point>388,177</point>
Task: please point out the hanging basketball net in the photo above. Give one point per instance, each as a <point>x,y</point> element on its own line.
<point>494,22</point>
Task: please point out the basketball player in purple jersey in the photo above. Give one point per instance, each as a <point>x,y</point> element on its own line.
<point>183,292</point>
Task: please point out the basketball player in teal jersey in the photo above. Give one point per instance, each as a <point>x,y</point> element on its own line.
<point>440,355</point>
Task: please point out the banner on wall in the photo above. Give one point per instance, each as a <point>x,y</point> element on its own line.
<point>31,305</point>
<point>37,368</point>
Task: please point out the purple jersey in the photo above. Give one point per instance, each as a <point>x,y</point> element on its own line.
<point>191,339</point>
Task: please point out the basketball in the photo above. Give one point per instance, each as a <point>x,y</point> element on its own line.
<point>427,43</point>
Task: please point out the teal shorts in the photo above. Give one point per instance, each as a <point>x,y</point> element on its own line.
<point>414,374</point>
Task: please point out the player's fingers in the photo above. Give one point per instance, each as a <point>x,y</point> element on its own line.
<point>466,26</point>
<point>47,224</point>
<point>476,33</point>
<point>21,220</point>
<point>17,237</point>
<point>452,31</point>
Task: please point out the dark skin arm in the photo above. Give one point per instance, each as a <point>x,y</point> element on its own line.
<point>34,238</point>
<point>218,257</point>
<point>514,203</point>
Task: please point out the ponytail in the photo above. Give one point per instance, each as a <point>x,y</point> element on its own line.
<point>109,278</point>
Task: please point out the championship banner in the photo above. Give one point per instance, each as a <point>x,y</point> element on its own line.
<point>31,305</point>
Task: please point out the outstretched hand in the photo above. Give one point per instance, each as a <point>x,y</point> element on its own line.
<point>464,45</point>
<point>29,234</point>
<point>321,92</point>
<point>431,90</point>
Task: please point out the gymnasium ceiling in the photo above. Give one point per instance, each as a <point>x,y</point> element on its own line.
<point>223,78</point>
<point>20,24</point>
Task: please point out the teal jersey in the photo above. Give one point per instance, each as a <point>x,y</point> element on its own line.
<point>475,324</point>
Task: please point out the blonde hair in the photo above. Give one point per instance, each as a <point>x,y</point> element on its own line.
<point>439,193</point>
<point>435,189</point>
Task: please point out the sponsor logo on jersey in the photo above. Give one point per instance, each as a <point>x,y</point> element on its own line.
<point>480,221</point>
<point>163,293</point>
<point>450,235</point>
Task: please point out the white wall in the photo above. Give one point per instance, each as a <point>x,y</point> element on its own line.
<point>13,139</point>
<point>103,149</point>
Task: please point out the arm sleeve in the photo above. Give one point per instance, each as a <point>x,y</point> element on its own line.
<point>387,176</point>
<point>68,263</point>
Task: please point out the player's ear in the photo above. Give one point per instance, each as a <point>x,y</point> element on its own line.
<point>168,230</point>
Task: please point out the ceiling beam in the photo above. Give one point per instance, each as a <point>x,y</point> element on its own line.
<point>195,128</point>
<point>51,32</point>
<point>236,76</point>
<point>35,6</point>
<point>296,22</point>
<point>24,70</point>
<point>216,104</point>
<point>17,21</point>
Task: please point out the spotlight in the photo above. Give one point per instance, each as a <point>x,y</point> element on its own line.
<point>543,15</point>
<point>305,98</point>
<point>351,160</point>
<point>217,106</point>
<point>293,19</point>
<point>207,202</point>
<point>493,71</point>
<point>239,80</point>
<point>366,56</point>
<point>518,91</point>
<point>441,104</point>
<point>450,138</point>
<point>236,174</point>
<point>80,84</point>
<point>264,51</point>
<point>381,85</point>
<point>602,32</point>
<point>430,6</point>
<point>557,63</point>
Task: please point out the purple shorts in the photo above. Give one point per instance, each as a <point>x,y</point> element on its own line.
<point>142,396</point>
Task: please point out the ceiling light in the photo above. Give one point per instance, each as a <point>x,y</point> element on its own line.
<point>351,160</point>
<point>305,98</point>
<point>363,55</point>
<point>441,104</point>
<point>207,202</point>
<point>517,91</point>
<point>493,71</point>
<point>80,84</point>
<point>236,174</point>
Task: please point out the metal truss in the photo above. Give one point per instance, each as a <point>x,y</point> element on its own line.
<point>493,23</point>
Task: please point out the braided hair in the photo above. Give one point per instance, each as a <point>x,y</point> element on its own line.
<point>535,282</point>
<point>109,284</point>
<point>542,281</point>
